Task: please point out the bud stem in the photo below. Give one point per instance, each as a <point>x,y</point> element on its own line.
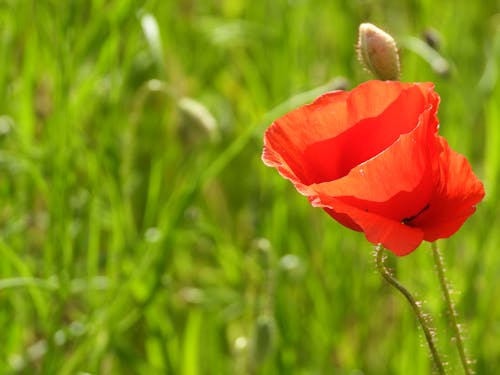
<point>438,260</point>
<point>380,258</point>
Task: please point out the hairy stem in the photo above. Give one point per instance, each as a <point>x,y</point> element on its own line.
<point>438,260</point>
<point>414,305</point>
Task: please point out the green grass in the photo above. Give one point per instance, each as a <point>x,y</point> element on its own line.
<point>138,238</point>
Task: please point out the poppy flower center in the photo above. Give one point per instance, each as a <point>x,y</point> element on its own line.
<point>408,220</point>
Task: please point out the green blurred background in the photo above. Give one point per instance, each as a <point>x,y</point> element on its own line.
<point>140,232</point>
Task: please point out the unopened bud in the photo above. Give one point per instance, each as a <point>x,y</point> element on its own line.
<point>263,340</point>
<point>432,38</point>
<point>200,115</point>
<point>377,51</point>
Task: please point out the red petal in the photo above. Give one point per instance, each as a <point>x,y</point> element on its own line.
<point>397,237</point>
<point>456,193</point>
<point>288,138</point>
<point>331,159</point>
<point>398,182</point>
<point>344,219</point>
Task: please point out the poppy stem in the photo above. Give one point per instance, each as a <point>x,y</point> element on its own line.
<point>416,306</point>
<point>445,287</point>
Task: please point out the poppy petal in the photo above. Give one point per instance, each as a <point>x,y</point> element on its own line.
<point>395,184</point>
<point>332,158</point>
<point>397,237</point>
<point>456,194</point>
<point>286,139</point>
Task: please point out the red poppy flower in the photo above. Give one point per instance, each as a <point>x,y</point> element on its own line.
<point>373,159</point>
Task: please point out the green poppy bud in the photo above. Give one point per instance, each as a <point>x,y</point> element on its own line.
<point>377,51</point>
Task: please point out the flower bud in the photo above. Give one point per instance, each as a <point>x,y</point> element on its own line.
<point>377,51</point>
<point>263,339</point>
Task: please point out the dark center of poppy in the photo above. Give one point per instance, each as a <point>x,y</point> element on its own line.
<point>408,220</point>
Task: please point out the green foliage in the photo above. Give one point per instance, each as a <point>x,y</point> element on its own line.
<point>141,234</point>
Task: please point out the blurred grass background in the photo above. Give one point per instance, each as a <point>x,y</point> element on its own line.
<point>141,234</point>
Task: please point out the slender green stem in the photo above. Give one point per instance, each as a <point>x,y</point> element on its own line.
<point>438,260</point>
<point>416,306</point>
